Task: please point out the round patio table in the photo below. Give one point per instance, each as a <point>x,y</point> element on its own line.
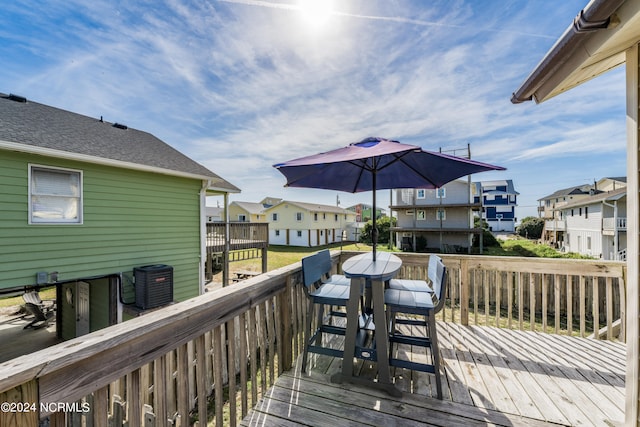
<point>359,268</point>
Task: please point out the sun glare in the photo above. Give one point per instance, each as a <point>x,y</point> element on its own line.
<point>316,12</point>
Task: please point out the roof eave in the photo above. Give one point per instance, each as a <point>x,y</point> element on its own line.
<point>49,152</point>
<point>567,53</point>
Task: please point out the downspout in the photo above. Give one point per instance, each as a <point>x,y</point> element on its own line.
<point>203,234</point>
<point>615,225</point>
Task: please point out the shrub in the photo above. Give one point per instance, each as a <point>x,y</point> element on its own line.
<point>531,227</point>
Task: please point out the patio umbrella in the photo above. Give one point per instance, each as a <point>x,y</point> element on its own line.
<point>377,164</point>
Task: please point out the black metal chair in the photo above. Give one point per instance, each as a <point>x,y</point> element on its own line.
<point>321,291</point>
<point>426,304</point>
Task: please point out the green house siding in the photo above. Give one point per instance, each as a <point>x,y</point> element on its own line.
<point>130,218</point>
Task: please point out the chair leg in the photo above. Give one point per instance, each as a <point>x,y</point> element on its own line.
<point>435,351</point>
<point>307,336</point>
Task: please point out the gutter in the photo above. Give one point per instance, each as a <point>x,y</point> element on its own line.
<point>594,17</point>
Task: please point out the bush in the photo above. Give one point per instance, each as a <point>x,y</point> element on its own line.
<point>531,227</point>
<point>384,224</point>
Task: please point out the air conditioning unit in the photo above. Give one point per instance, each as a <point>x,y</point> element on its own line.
<point>154,285</point>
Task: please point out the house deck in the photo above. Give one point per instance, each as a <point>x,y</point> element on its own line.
<point>491,376</point>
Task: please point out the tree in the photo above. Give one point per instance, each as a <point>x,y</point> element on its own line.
<point>383,224</point>
<point>531,227</point>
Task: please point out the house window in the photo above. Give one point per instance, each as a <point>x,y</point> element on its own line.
<point>586,213</point>
<point>579,211</point>
<point>441,214</point>
<point>274,216</point>
<point>421,215</point>
<point>441,193</point>
<point>55,195</point>
<point>298,216</point>
<point>571,212</point>
<point>410,212</point>
<point>420,194</point>
<point>242,218</point>
<point>277,233</point>
<point>324,216</point>
<point>299,233</point>
<point>315,216</point>
<point>335,217</point>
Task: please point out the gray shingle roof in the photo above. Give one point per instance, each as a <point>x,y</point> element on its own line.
<point>45,127</point>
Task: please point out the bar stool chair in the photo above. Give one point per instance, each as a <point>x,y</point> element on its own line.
<point>418,285</point>
<point>321,292</point>
<point>427,304</point>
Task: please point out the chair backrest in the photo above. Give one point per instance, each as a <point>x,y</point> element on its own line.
<point>439,281</point>
<point>316,267</point>
<point>32,297</point>
<point>432,269</point>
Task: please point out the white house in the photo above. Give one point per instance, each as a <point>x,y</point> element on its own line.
<point>308,224</point>
<point>597,225</point>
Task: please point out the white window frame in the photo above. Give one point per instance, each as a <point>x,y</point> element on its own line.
<point>421,193</point>
<point>274,216</point>
<point>299,216</point>
<point>242,217</point>
<point>441,193</point>
<point>56,221</point>
<point>421,215</point>
<point>441,214</point>
<point>299,233</point>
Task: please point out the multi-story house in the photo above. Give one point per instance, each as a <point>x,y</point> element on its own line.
<point>439,220</point>
<point>499,201</point>
<point>247,212</point>
<point>363,212</point>
<point>597,225</point>
<point>308,224</point>
<point>550,209</point>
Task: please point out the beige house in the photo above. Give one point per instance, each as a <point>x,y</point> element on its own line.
<point>308,224</point>
<point>604,35</point>
<point>247,212</point>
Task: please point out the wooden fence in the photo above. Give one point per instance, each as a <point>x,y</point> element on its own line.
<point>212,357</point>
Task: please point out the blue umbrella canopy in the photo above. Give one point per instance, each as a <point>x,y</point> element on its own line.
<point>377,164</point>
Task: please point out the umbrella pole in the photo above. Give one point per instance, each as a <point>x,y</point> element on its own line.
<point>374,230</point>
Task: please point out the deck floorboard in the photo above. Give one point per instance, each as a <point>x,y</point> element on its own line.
<point>491,376</point>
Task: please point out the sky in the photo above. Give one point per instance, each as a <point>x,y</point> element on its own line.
<point>240,85</point>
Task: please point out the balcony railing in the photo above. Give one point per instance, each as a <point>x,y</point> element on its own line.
<point>213,356</point>
<point>611,224</point>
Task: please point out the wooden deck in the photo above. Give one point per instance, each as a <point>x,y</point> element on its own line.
<point>492,376</point>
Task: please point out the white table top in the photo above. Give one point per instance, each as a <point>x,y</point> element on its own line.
<point>383,268</point>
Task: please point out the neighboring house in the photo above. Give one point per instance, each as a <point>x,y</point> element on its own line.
<point>597,225</point>
<point>435,220</point>
<point>308,224</point>
<point>605,34</point>
<point>247,212</point>
<point>363,212</point>
<point>85,201</point>
<point>214,214</point>
<point>550,209</point>
<point>499,200</point>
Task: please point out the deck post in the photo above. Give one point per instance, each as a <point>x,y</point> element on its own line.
<point>633,228</point>
<point>464,292</point>
<point>24,394</point>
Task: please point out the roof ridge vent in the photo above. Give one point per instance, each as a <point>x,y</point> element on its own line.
<point>120,126</point>
<point>17,98</point>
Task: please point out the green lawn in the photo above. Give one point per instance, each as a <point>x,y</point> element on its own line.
<point>529,248</point>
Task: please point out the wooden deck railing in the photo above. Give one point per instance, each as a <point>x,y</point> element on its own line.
<point>569,296</point>
<point>208,358</point>
<point>211,357</point>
